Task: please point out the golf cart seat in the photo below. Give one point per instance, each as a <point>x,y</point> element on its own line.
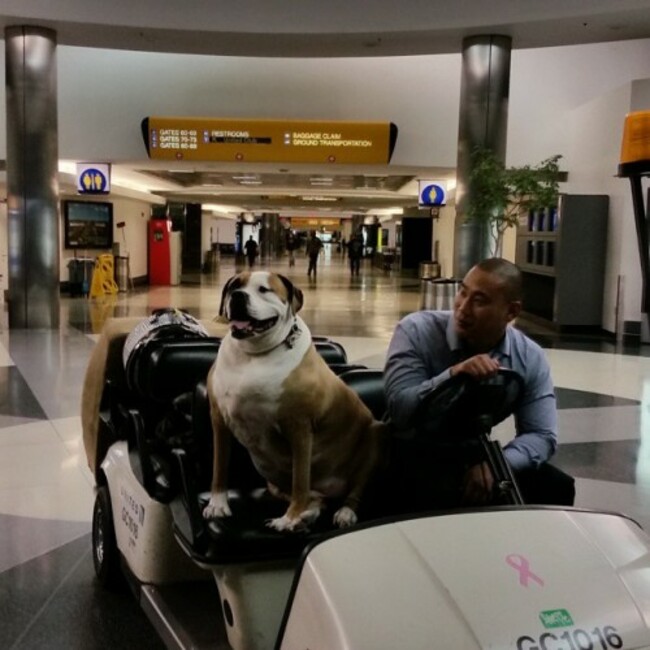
<point>245,536</point>
<point>331,351</point>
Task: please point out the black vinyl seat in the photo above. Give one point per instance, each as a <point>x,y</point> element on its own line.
<point>368,383</point>
<point>161,376</point>
<point>331,351</point>
<point>162,369</point>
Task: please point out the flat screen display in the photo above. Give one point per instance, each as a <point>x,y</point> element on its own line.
<point>88,224</point>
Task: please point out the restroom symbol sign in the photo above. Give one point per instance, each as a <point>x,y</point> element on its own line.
<point>93,178</point>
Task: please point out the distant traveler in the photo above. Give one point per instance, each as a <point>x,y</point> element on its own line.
<point>251,250</point>
<point>292,243</point>
<point>355,253</point>
<point>314,245</point>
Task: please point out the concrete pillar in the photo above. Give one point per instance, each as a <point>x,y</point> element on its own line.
<point>32,173</point>
<point>483,122</point>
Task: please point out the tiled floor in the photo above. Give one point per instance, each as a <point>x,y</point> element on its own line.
<point>48,597</point>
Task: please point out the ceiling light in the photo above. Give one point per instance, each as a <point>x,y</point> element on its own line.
<point>319,198</point>
<point>251,182</point>
<point>246,177</point>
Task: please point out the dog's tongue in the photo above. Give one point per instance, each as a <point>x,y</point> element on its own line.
<point>240,324</point>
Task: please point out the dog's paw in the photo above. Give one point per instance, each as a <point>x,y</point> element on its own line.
<point>294,524</point>
<point>217,506</point>
<point>345,517</point>
<point>287,524</point>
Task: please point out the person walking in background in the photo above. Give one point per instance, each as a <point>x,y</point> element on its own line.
<point>250,248</point>
<point>292,243</point>
<point>355,253</point>
<point>314,245</point>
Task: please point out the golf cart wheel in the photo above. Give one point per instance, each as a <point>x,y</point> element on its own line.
<point>106,556</point>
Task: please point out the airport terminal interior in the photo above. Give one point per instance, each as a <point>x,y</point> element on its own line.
<point>577,70</point>
<point>50,598</point>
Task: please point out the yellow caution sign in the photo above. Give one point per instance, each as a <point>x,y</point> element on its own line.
<point>103,277</point>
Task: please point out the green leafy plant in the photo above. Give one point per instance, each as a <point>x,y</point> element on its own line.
<point>498,195</point>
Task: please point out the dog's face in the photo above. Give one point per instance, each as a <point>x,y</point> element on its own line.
<point>257,303</point>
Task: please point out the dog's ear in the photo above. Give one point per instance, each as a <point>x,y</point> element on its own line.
<point>297,301</point>
<point>224,293</point>
<point>294,295</point>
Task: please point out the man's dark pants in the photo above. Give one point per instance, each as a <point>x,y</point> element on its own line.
<point>422,476</point>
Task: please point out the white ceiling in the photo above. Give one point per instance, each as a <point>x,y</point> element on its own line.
<point>313,28</point>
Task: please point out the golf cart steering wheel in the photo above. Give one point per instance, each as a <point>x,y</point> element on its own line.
<point>473,405</point>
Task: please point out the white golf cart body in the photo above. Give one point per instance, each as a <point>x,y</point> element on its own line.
<point>515,577</point>
<point>526,578</point>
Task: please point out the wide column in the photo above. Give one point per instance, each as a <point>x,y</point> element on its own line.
<point>32,185</point>
<point>483,122</point>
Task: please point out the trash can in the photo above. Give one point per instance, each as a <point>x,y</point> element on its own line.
<point>429,270</point>
<point>439,293</point>
<point>80,275</point>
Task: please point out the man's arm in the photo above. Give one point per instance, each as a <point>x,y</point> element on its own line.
<point>535,419</point>
<point>407,377</point>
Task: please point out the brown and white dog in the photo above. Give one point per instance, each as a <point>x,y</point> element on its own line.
<point>308,434</point>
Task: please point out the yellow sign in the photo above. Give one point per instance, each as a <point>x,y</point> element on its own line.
<point>282,141</point>
<point>317,222</point>
<point>103,277</point>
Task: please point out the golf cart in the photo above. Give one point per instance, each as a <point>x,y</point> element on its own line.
<point>510,576</point>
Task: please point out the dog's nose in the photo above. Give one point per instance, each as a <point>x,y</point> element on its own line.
<point>238,304</point>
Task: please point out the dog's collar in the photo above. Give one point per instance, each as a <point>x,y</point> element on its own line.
<point>293,335</point>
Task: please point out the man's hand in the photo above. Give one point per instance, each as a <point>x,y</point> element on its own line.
<point>477,484</point>
<point>480,366</point>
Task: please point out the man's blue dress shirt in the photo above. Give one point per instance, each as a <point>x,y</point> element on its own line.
<point>424,347</point>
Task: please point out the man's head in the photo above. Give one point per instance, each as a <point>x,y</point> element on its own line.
<point>489,298</point>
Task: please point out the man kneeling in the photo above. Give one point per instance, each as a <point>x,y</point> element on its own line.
<point>476,339</point>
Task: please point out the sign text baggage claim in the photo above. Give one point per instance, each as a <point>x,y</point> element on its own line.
<point>317,139</point>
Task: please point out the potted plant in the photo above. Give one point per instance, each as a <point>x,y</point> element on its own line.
<point>498,195</point>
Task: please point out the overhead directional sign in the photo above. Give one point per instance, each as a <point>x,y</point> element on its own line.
<point>282,141</point>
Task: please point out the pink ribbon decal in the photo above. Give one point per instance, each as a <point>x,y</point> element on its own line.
<point>522,565</point>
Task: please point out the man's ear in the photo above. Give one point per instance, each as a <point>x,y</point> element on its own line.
<point>514,309</point>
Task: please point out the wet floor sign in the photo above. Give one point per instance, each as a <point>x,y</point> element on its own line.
<point>103,277</point>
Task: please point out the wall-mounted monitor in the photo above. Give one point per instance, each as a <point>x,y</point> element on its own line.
<point>88,224</point>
